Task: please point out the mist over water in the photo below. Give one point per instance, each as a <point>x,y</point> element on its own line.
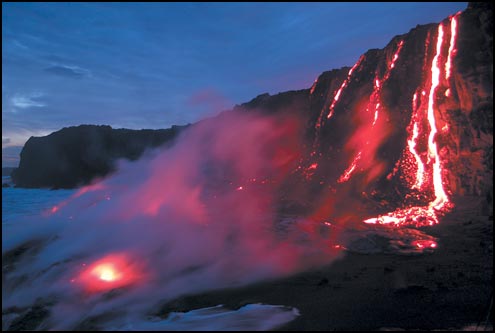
<point>198,216</point>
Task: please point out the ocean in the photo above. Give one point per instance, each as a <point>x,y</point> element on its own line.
<point>21,202</point>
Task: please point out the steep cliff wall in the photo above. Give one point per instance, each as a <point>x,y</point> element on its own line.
<point>74,156</point>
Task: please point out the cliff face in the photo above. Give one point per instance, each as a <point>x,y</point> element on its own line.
<point>412,120</point>
<point>76,155</point>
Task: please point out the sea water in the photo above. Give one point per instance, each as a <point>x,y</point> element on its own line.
<point>21,202</point>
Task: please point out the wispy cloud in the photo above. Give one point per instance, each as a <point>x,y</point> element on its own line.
<point>74,72</point>
<point>24,101</point>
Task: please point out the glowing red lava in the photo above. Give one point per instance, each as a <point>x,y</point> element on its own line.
<point>309,171</point>
<point>440,196</point>
<point>426,215</point>
<point>342,87</point>
<point>313,87</point>
<point>107,272</point>
<point>453,32</point>
<point>411,144</point>
<point>110,272</point>
<point>374,99</point>
<point>424,244</point>
<point>348,172</point>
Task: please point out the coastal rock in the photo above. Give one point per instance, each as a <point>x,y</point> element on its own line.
<point>75,156</point>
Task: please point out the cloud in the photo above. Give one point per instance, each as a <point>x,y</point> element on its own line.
<point>5,140</point>
<point>74,72</point>
<point>24,101</point>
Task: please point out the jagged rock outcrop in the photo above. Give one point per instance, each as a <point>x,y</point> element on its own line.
<point>75,156</point>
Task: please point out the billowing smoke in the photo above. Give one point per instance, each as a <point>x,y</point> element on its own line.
<point>200,215</point>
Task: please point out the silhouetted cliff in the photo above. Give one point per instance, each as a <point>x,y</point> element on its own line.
<point>74,156</point>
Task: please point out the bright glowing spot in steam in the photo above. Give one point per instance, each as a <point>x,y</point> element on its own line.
<point>106,272</point>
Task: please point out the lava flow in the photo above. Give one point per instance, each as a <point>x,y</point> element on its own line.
<point>426,215</point>
<point>411,144</point>
<point>331,109</point>
<point>111,272</point>
<point>374,103</point>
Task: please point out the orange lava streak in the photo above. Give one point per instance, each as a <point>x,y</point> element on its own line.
<point>375,96</point>
<point>348,172</point>
<point>373,99</point>
<point>411,144</point>
<point>412,149</point>
<point>440,196</point>
<point>396,56</point>
<point>342,87</point>
<point>313,87</point>
<point>423,215</point>
<point>453,32</point>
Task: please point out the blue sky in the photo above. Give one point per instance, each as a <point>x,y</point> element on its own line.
<point>152,65</point>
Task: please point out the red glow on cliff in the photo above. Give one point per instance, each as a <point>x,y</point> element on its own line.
<point>411,144</point>
<point>396,55</point>
<point>313,87</point>
<point>375,96</point>
<point>348,172</point>
<point>309,171</point>
<point>453,33</point>
<point>419,164</point>
<point>424,215</point>
<point>342,87</point>
<point>368,133</point>
<point>440,196</point>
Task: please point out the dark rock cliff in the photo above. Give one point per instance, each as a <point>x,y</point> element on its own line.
<point>74,156</point>
<point>366,114</point>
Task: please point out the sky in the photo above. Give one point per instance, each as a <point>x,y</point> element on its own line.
<point>153,65</point>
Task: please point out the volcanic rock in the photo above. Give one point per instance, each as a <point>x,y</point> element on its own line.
<point>74,156</point>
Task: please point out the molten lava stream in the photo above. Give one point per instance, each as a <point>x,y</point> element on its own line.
<point>374,99</point>
<point>441,198</point>
<point>427,215</point>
